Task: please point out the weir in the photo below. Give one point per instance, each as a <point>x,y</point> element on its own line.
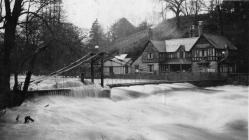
<point>76,92</point>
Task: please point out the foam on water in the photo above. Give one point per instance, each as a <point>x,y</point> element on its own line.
<point>150,112</point>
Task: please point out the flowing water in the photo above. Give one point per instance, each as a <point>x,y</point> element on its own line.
<point>150,112</point>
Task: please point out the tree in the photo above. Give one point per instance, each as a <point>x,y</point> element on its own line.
<point>121,29</point>
<point>96,35</point>
<point>11,12</point>
<point>163,12</point>
<point>176,6</point>
<point>194,7</point>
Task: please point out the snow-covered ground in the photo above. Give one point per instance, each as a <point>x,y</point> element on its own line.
<point>150,112</point>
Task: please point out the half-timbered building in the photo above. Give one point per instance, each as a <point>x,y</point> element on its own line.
<point>206,53</point>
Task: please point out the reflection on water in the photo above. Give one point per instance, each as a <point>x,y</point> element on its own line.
<point>150,112</point>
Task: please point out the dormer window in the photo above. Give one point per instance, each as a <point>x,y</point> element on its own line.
<point>150,55</point>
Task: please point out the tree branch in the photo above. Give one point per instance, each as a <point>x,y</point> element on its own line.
<point>40,17</point>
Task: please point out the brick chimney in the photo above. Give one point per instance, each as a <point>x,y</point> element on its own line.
<point>200,28</point>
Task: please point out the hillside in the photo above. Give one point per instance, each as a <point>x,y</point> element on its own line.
<point>132,45</point>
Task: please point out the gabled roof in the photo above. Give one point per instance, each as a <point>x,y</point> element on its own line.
<point>121,59</point>
<point>219,42</point>
<point>173,45</point>
<point>160,45</point>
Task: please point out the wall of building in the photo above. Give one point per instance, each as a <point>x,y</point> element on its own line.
<point>111,67</point>
<point>150,49</point>
<point>144,67</point>
<point>209,67</point>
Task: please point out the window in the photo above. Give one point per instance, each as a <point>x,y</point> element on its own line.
<point>170,56</point>
<point>205,53</point>
<point>150,55</point>
<point>111,70</point>
<point>178,55</point>
<point>181,54</point>
<point>136,68</point>
<point>151,68</point>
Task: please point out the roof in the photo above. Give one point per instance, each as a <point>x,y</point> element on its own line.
<point>173,45</point>
<point>121,59</point>
<point>160,45</point>
<point>219,42</point>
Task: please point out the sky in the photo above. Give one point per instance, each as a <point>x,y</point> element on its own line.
<point>82,13</point>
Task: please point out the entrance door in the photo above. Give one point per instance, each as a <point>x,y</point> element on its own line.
<point>151,68</point>
<point>126,69</point>
<point>111,70</point>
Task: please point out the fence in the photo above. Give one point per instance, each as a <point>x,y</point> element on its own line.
<point>173,76</point>
<point>238,78</point>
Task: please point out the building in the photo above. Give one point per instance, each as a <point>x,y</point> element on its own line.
<point>201,53</point>
<point>206,53</point>
<point>120,64</point>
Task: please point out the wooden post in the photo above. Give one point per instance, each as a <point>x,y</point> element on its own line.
<point>92,70</point>
<point>102,69</point>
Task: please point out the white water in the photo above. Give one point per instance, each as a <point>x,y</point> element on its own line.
<point>150,112</point>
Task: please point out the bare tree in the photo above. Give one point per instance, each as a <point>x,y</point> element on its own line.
<point>194,7</point>
<point>176,6</point>
<point>12,13</point>
<point>163,12</point>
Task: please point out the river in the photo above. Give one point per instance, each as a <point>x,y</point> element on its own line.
<point>151,112</point>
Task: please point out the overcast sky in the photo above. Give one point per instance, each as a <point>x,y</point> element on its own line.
<point>83,12</point>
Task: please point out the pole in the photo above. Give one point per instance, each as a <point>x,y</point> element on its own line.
<point>92,70</point>
<point>102,70</point>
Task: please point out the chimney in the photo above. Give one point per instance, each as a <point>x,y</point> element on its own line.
<point>192,31</point>
<point>150,33</point>
<point>200,28</point>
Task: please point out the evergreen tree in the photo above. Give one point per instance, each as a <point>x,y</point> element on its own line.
<point>96,34</point>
